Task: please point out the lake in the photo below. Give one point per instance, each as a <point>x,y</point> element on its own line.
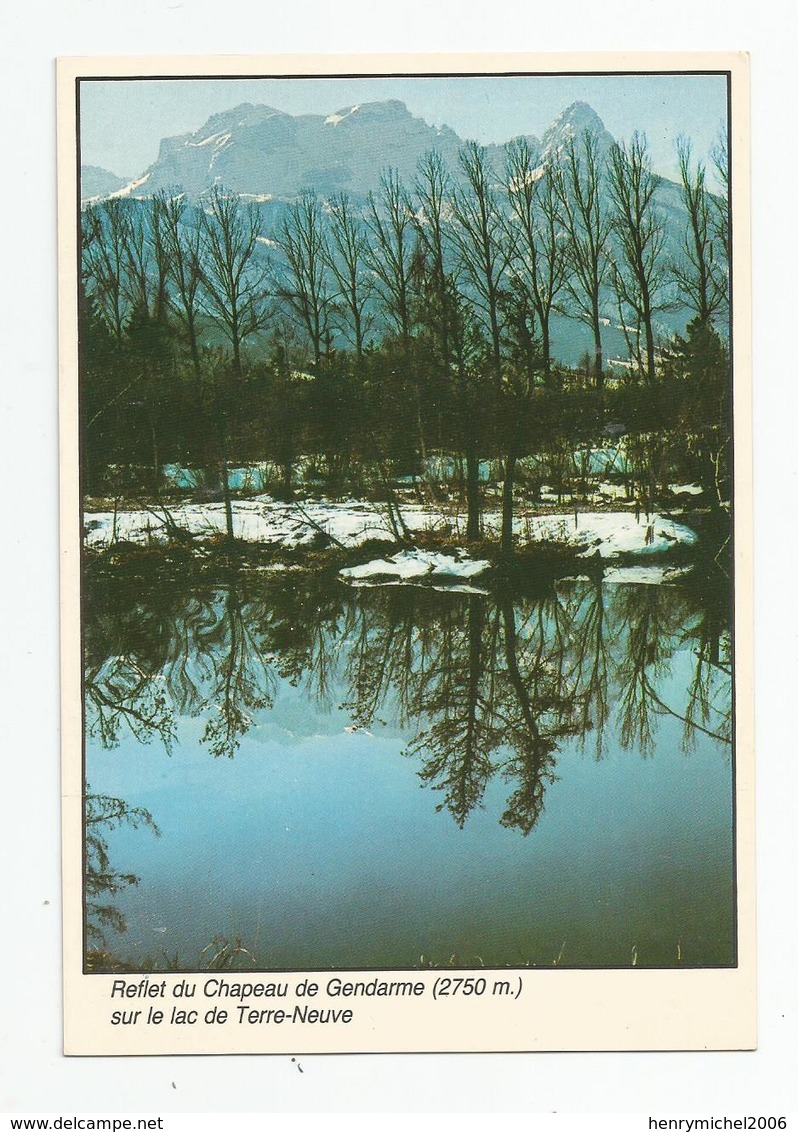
<point>285,772</point>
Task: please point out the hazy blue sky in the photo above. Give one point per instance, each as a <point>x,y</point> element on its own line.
<point>122,122</point>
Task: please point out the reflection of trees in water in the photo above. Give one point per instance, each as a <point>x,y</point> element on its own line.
<point>584,644</point>
<point>657,623</point>
<point>709,639</point>
<point>102,881</point>
<point>492,705</point>
<point>120,692</point>
<point>241,681</point>
<point>642,618</point>
<point>490,686</point>
<point>127,636</point>
<point>456,711</point>
<point>546,714</point>
<point>486,687</point>
<point>200,656</point>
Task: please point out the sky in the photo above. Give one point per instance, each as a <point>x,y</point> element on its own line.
<point>123,121</point>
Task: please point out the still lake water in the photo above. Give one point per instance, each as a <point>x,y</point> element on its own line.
<point>316,776</point>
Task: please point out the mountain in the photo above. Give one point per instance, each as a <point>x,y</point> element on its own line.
<point>264,153</point>
<point>259,151</point>
<point>269,157</point>
<point>98,182</point>
<point>575,120</point>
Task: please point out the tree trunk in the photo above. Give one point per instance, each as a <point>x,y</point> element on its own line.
<point>546,343</point>
<point>288,476</point>
<point>598,367</point>
<point>472,495</point>
<point>155,459</point>
<point>228,503</point>
<point>650,370</point>
<point>513,671</point>
<point>507,503</point>
<point>196,366</point>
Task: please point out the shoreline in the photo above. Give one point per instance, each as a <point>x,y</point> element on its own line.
<point>352,539</point>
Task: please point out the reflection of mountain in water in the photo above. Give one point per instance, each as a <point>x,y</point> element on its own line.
<point>483,688</point>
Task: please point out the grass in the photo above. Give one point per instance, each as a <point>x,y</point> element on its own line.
<point>220,954</point>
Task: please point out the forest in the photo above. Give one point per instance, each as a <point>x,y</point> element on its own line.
<point>354,347</point>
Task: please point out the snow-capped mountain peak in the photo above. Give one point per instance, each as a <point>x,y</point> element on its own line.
<point>573,123</point>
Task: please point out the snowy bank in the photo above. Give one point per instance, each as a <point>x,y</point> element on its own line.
<point>351,523</point>
<point>259,520</point>
<point>416,565</point>
<point>610,533</point>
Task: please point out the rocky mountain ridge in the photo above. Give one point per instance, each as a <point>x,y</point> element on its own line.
<point>265,153</point>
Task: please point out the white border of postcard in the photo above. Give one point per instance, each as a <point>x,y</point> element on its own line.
<point>555,1010</point>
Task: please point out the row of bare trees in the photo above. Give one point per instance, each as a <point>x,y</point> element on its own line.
<point>455,278</point>
<point>504,250</point>
<point>495,247</point>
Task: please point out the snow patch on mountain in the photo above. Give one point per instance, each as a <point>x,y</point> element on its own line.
<point>335,119</point>
<point>217,140</point>
<point>129,189</point>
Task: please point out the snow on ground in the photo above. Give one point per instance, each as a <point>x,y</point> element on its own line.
<point>685,488</point>
<point>613,491</point>
<point>261,519</point>
<point>412,565</point>
<point>352,522</point>
<point>609,533</point>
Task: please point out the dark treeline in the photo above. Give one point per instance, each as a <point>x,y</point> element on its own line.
<point>366,335</point>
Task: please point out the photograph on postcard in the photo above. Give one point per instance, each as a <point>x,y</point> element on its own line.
<point>407,529</point>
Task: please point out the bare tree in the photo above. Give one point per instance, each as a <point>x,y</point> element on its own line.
<point>540,251</point>
<point>481,244</point>
<point>392,258</point>
<point>104,253</point>
<point>700,274</point>
<point>639,274</point>
<point>391,254</point>
<point>182,242</point>
<point>722,226</point>
<point>138,256</point>
<point>233,293</point>
<point>720,160</point>
<point>307,289</point>
<point>578,182</point>
<point>233,282</point>
<point>484,250</point>
<point>347,252</point>
<point>447,318</point>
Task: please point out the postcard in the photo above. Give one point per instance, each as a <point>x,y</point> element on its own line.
<point>406,554</point>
